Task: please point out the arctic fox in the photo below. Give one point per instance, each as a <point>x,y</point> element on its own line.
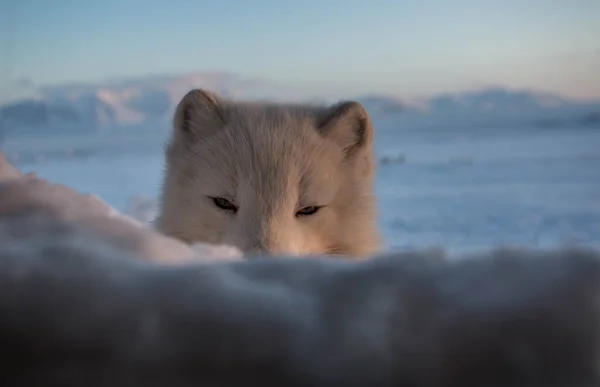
<point>291,179</point>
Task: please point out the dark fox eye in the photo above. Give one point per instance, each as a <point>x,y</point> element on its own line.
<point>225,204</point>
<point>310,210</point>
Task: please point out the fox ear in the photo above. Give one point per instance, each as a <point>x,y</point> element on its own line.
<point>349,125</point>
<point>199,113</point>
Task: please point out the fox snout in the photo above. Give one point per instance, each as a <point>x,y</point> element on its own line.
<point>267,240</point>
<point>268,246</point>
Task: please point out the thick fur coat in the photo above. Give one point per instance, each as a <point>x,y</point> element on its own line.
<point>271,178</point>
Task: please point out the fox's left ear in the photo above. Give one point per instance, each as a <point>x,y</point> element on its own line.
<point>349,125</point>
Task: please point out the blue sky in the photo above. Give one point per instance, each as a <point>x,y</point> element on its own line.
<point>407,48</point>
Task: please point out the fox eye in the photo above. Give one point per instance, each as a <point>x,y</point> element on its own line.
<point>306,211</point>
<point>225,204</point>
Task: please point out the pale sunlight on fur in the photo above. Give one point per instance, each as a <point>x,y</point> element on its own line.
<point>271,178</point>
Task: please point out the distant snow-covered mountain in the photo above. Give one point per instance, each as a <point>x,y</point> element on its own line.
<point>147,104</point>
<point>487,107</point>
<point>502,106</point>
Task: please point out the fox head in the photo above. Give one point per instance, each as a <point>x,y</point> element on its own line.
<point>271,178</point>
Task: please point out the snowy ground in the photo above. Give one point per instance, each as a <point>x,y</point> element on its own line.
<point>461,190</point>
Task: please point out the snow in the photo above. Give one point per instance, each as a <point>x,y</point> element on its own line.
<point>461,190</point>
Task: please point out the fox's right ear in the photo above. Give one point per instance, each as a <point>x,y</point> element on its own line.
<point>198,114</point>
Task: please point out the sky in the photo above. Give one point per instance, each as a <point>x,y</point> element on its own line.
<point>404,48</point>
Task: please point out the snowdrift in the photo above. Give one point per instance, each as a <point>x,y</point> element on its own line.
<point>91,297</point>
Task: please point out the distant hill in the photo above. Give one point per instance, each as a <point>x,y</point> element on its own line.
<point>488,107</point>
<point>147,103</point>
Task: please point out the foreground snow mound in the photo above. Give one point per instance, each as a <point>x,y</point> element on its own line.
<point>26,194</point>
<point>142,208</point>
<point>90,298</point>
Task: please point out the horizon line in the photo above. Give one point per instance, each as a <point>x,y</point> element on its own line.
<point>273,82</point>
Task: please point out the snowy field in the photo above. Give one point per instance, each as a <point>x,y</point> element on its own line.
<point>461,190</point>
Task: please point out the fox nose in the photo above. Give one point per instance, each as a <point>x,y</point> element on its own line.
<point>267,246</point>
<point>259,248</point>
<point>263,237</point>
<point>273,250</point>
